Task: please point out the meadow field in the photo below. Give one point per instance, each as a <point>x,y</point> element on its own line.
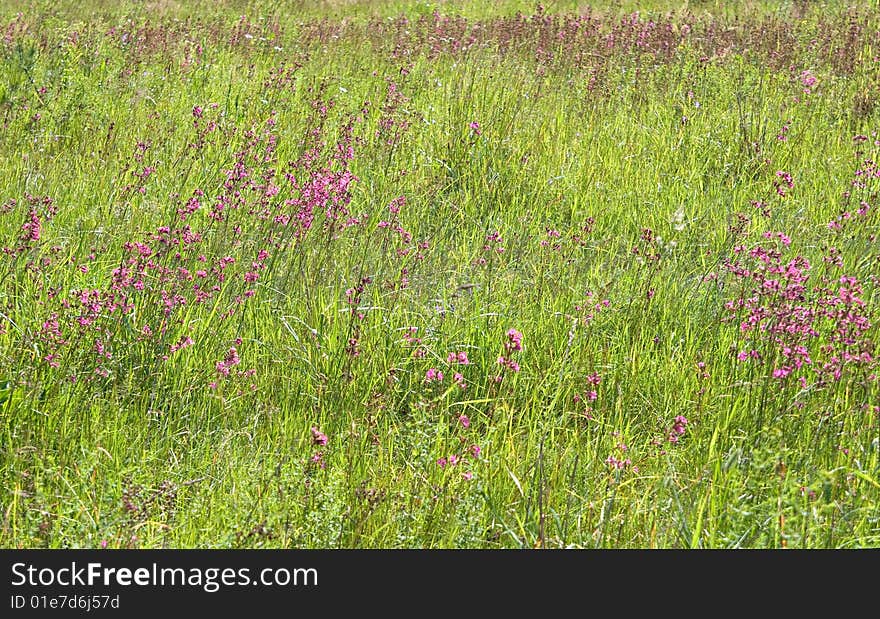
<point>410,274</point>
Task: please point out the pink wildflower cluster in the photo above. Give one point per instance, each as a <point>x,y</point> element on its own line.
<point>552,240</point>
<point>394,121</point>
<point>619,459</point>
<point>164,282</point>
<point>433,375</point>
<point>857,200</point>
<point>41,210</point>
<point>514,341</point>
<point>808,80</point>
<point>565,243</point>
<point>461,358</point>
<point>617,463</point>
<point>590,394</point>
<point>453,358</point>
<point>458,379</point>
<point>454,460</point>
<point>353,298</point>
<point>791,324</point>
<point>782,136</point>
<point>589,308</point>
<point>458,358</point>
<point>679,426</point>
<point>231,359</point>
<point>511,346</point>
<point>319,439</point>
<point>418,351</point>
<point>224,367</point>
<point>494,244</point>
<point>783,183</point>
<point>408,251</point>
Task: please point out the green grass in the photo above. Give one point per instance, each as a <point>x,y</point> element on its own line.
<point>127,448</point>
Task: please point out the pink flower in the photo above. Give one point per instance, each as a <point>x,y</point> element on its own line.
<point>395,204</point>
<point>432,375</point>
<point>468,475</point>
<point>513,344</point>
<point>183,342</point>
<point>318,437</point>
<point>808,79</point>
<point>231,359</point>
<point>475,127</point>
<point>459,380</point>
<point>465,421</point>
<point>318,458</point>
<point>679,424</point>
<point>457,357</point>
<point>616,463</point>
<point>514,340</point>
<point>781,372</point>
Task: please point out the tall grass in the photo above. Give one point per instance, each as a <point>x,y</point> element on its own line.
<point>417,275</point>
